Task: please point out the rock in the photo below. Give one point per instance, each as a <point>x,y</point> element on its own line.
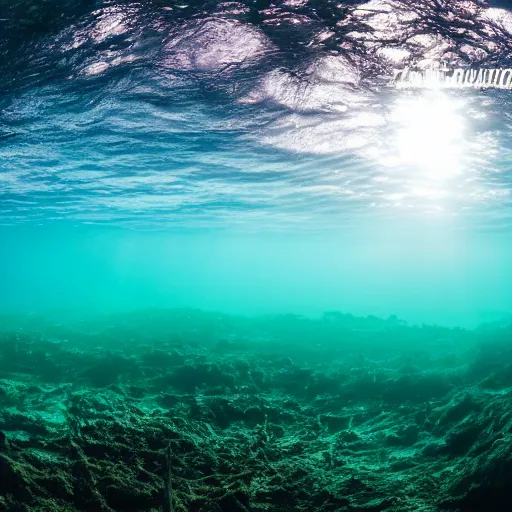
<point>4,444</point>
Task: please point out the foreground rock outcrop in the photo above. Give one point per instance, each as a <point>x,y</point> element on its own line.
<point>190,411</point>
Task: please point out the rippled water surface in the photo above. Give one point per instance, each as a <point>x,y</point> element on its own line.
<point>255,113</point>
<point>255,117</point>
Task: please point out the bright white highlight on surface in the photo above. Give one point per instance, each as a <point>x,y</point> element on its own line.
<point>429,135</point>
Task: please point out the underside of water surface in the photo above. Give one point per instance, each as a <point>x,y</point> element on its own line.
<point>244,267</point>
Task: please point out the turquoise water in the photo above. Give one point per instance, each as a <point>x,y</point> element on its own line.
<point>428,273</point>
<point>156,156</point>
<point>242,271</point>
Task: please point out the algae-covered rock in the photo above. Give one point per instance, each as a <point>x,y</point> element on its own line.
<point>259,417</point>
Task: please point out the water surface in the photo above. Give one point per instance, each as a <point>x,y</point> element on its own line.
<point>253,156</point>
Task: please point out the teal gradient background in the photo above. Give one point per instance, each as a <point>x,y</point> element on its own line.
<point>429,273</point>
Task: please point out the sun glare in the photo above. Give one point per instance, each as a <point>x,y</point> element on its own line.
<point>428,135</point>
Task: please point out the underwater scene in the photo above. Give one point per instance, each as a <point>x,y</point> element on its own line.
<point>255,256</point>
